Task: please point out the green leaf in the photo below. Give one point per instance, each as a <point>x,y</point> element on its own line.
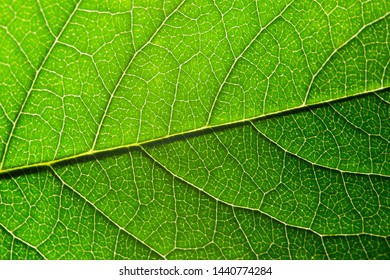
<point>194,129</point>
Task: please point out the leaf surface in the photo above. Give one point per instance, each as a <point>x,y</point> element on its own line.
<point>195,130</point>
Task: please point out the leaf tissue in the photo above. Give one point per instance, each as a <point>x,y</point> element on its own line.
<point>202,129</point>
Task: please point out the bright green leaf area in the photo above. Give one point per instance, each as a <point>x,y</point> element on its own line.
<point>195,129</point>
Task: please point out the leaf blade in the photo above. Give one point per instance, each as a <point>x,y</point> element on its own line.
<point>169,127</point>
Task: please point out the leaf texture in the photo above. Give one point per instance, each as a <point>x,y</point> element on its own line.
<point>194,130</point>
